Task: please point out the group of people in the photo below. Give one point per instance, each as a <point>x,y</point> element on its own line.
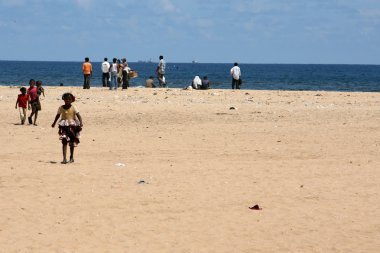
<point>160,72</point>
<point>30,98</point>
<point>118,73</point>
<point>70,124</point>
<point>114,75</point>
<point>204,84</point>
<point>199,84</point>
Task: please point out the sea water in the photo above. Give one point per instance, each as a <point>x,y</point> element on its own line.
<point>178,75</point>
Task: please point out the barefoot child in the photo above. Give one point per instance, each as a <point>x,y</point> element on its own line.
<point>22,102</point>
<point>70,125</point>
<point>33,101</point>
<point>40,91</point>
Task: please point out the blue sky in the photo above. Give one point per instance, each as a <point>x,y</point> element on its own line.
<point>247,31</point>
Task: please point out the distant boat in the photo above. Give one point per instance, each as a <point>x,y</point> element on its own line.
<point>194,61</point>
<point>149,61</point>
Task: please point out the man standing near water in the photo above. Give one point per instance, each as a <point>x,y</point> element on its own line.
<point>236,73</point>
<point>113,70</point>
<point>87,73</point>
<point>106,72</point>
<point>161,72</point>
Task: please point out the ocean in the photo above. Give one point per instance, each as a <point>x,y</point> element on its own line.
<point>313,77</point>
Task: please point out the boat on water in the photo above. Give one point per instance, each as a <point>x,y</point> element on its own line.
<point>142,61</point>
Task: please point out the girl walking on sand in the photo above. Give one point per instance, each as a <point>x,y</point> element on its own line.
<point>70,126</point>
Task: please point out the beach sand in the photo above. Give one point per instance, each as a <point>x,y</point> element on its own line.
<point>310,160</point>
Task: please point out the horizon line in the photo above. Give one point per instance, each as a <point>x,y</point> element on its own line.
<point>139,61</point>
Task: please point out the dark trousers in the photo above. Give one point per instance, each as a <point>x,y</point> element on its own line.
<point>105,79</point>
<point>86,83</point>
<point>235,83</point>
<point>125,80</point>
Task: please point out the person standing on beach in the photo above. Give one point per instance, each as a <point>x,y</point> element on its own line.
<point>113,70</point>
<point>126,70</point>
<point>87,73</point>
<point>236,74</point>
<point>33,101</point>
<point>105,72</point>
<point>70,126</point>
<point>22,103</point>
<point>161,72</point>
<point>119,73</point>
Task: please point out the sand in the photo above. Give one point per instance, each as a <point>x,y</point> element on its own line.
<point>310,160</point>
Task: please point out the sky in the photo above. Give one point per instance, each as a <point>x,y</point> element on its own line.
<point>208,31</point>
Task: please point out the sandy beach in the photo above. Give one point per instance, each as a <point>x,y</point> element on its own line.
<point>169,170</point>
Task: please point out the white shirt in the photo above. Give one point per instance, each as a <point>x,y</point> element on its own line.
<point>126,68</point>
<point>235,72</point>
<point>161,66</point>
<point>105,67</point>
<point>114,67</point>
<point>197,82</point>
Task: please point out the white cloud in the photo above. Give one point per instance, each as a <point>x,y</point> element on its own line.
<point>249,26</point>
<point>13,2</point>
<point>370,13</point>
<point>204,23</point>
<point>85,4</point>
<point>3,24</point>
<point>66,28</point>
<point>262,6</point>
<point>168,6</point>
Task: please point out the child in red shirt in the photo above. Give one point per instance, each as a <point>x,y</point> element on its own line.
<point>22,102</point>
